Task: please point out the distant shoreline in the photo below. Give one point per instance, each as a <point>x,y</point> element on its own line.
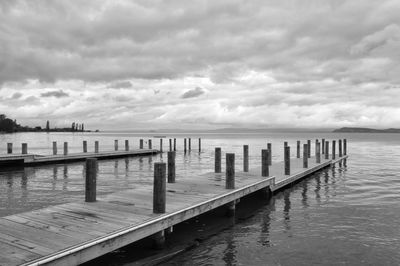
<point>365,130</point>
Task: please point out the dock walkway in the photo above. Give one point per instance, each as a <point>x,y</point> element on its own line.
<point>73,233</point>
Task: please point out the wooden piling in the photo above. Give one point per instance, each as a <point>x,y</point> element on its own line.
<point>84,146</point>
<point>318,152</point>
<point>327,150</point>
<point>285,144</point>
<point>315,150</point>
<point>333,149</point>
<point>287,160</point>
<point>340,148</point>
<point>344,146</point>
<point>174,144</point>
<point>161,145</point>
<point>217,164</point>
<point>159,188</point>
<point>309,148</point>
<point>298,149</point>
<point>264,162</point>
<point>170,144</point>
<point>65,148</point>
<point>96,146</point>
<point>150,144</point>
<point>90,180</point>
<point>199,144</point>
<point>24,148</point>
<point>141,144</point>
<point>54,148</point>
<point>9,148</point>
<point>190,144</point>
<point>305,156</point>
<point>184,145</point>
<point>323,146</point>
<point>245,158</point>
<point>126,145</point>
<point>116,145</point>
<point>269,146</point>
<point>171,167</point>
<point>230,171</point>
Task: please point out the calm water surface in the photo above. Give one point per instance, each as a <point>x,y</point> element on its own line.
<point>339,216</point>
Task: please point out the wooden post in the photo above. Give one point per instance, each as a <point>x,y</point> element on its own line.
<point>190,144</point>
<point>171,167</point>
<point>141,144</point>
<point>285,144</point>
<point>170,144</point>
<point>126,145</point>
<point>340,148</point>
<point>264,163</point>
<point>245,158</point>
<point>217,165</point>
<point>327,150</point>
<point>269,146</point>
<point>230,171</point>
<point>309,148</point>
<point>287,160</point>
<point>333,149</point>
<point>298,149</point>
<point>116,144</point>
<point>90,183</point>
<point>9,148</point>
<point>323,146</point>
<point>96,146</point>
<point>150,144</point>
<point>161,145</point>
<point>24,148</point>
<point>345,147</point>
<point>54,148</point>
<point>184,145</point>
<point>316,143</point>
<point>65,148</point>
<point>199,144</point>
<point>305,156</point>
<point>159,188</point>
<point>84,143</point>
<point>318,152</point>
<point>174,144</point>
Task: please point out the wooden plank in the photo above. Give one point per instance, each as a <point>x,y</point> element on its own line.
<point>12,255</point>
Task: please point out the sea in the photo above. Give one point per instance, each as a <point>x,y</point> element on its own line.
<point>348,215</point>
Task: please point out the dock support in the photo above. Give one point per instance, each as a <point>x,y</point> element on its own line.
<point>298,149</point>
<point>230,171</point>
<point>65,148</point>
<point>150,144</point>
<point>96,146</point>
<point>161,145</point>
<point>333,149</point>
<point>190,144</point>
<point>264,162</point>
<point>287,160</point>
<point>340,148</point>
<point>217,164</point>
<point>323,146</point>
<point>245,158</point>
<point>116,145</point>
<point>309,148</point>
<point>199,144</point>
<point>171,167</point>
<point>126,145</point>
<point>269,146</point>
<point>345,147</point>
<point>318,152</point>
<point>54,148</point>
<point>174,144</point>
<point>316,143</point>
<point>90,182</point>
<point>141,144</point>
<point>9,148</point>
<point>159,188</point>
<point>24,148</point>
<point>184,145</point>
<point>327,150</point>
<point>84,144</point>
<point>305,156</point>
<point>159,240</point>
<point>285,144</point>
<point>170,144</point>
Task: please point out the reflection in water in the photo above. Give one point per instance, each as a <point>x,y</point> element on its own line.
<point>116,168</point>
<point>304,197</point>
<point>317,188</point>
<point>266,223</point>
<point>286,209</point>
<point>141,164</point>
<point>230,252</point>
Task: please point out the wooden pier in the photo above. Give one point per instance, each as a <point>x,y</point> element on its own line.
<point>73,233</point>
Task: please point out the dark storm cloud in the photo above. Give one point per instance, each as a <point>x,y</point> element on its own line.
<point>196,92</point>
<point>57,94</point>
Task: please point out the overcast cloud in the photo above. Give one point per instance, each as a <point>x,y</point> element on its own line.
<point>160,64</point>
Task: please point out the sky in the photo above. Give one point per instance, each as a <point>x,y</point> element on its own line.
<point>115,64</point>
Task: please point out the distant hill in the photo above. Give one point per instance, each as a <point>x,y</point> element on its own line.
<point>366,130</point>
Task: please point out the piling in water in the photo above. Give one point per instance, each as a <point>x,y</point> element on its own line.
<point>305,156</point>
<point>90,180</point>
<point>24,148</point>
<point>298,149</point>
<point>340,148</point>
<point>96,146</point>
<point>116,145</point>
<point>217,164</point>
<point>190,144</point>
<point>287,160</point>
<point>174,144</point>
<point>318,153</point>
<point>9,148</point>
<point>170,144</point>
<point>269,146</point>
<point>199,144</point>
<point>327,150</point>
<point>323,146</point>
<point>65,148</point>
<point>171,167</point>
<point>245,158</point>
<point>309,148</point>
<point>54,148</point>
<point>230,171</point>
<point>333,149</point>
<point>126,145</point>
<point>159,188</point>
<point>141,144</point>
<point>84,144</point>
<point>264,162</point>
<point>150,144</point>
<point>184,145</point>
<point>161,145</point>
<point>345,147</point>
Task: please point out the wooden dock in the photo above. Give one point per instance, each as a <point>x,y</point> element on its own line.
<point>35,159</point>
<point>74,233</point>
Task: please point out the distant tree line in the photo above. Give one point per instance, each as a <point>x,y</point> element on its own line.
<point>8,125</point>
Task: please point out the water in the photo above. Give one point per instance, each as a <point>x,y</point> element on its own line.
<point>346,216</point>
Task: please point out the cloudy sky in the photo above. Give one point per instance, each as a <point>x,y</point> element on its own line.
<point>117,64</point>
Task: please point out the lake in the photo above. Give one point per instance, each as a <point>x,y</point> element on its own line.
<point>348,215</point>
